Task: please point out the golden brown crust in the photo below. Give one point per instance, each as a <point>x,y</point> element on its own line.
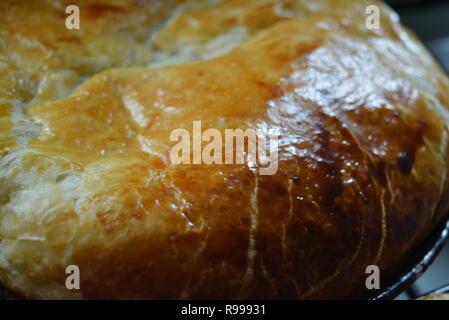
<point>85,177</point>
<point>443,296</point>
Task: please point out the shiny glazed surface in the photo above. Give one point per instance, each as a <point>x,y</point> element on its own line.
<point>85,174</point>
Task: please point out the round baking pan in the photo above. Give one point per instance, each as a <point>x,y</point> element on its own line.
<point>441,290</point>
<point>417,265</point>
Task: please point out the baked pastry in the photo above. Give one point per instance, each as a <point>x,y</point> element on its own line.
<point>442,296</point>
<point>86,178</point>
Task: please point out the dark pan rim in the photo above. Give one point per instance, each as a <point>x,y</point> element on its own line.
<point>418,264</point>
<point>441,290</point>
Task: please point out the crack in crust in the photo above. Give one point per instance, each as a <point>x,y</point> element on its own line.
<point>85,120</point>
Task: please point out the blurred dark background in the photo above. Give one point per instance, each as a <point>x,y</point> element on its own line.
<point>429,19</point>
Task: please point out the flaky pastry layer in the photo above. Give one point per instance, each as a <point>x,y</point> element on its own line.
<point>85,174</point>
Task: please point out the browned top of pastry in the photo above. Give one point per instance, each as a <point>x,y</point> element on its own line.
<point>85,174</point>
